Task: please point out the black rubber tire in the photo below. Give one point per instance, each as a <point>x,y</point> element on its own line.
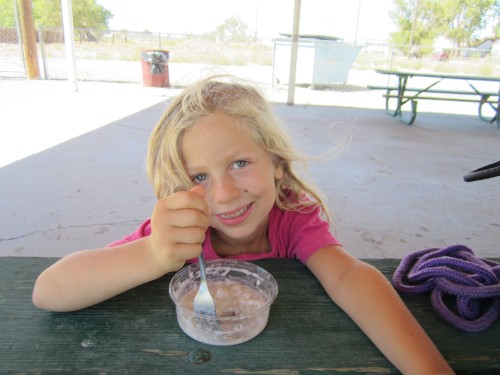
<point>488,171</point>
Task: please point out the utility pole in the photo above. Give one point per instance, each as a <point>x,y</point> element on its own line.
<point>414,22</point>
<point>29,39</point>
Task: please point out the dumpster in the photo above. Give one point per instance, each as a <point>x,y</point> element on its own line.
<point>321,60</point>
<point>155,68</point>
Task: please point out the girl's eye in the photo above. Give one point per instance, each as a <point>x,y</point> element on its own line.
<point>240,163</point>
<point>199,178</point>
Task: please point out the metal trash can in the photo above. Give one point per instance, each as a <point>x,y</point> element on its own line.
<point>155,68</point>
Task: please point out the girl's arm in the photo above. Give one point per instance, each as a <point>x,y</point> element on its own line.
<point>371,301</point>
<point>88,277</point>
<point>82,279</point>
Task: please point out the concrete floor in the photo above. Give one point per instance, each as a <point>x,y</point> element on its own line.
<point>394,188</point>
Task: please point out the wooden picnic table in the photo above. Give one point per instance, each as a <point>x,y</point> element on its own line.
<point>406,93</point>
<point>137,332</point>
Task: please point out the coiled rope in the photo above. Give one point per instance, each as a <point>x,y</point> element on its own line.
<point>455,271</point>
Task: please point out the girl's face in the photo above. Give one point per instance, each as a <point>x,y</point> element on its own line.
<point>239,176</point>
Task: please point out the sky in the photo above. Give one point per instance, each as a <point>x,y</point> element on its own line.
<point>269,18</point>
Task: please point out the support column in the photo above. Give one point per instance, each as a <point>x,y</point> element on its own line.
<point>294,53</point>
<point>69,42</point>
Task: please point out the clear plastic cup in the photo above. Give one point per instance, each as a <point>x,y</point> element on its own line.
<point>243,293</point>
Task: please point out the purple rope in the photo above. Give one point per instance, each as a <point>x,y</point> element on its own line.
<point>454,270</point>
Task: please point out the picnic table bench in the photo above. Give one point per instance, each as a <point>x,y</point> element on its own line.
<point>403,93</point>
<point>137,332</point>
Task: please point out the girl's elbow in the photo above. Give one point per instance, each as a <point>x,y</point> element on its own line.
<point>38,299</point>
<point>43,296</point>
<point>39,296</point>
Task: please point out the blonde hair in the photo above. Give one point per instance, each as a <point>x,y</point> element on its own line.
<point>236,98</point>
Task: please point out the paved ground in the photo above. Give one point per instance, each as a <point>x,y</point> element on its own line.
<point>72,169</point>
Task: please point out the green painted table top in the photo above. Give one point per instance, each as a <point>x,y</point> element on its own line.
<point>137,332</point>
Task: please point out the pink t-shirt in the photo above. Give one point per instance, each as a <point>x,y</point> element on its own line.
<point>291,235</point>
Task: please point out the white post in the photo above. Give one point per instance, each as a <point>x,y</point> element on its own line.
<point>69,42</point>
<point>295,48</point>
<point>357,23</point>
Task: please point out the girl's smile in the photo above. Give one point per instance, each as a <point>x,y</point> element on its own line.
<point>235,217</point>
<point>239,176</point>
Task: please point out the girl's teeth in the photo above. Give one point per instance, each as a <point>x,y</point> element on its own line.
<point>235,214</point>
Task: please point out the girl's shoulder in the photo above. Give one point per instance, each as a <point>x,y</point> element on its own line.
<point>297,209</point>
<point>299,232</point>
<point>294,202</point>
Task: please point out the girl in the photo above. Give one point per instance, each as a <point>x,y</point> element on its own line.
<point>221,139</point>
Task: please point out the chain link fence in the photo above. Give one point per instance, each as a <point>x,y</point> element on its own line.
<point>115,56</point>
<point>11,53</point>
<point>324,64</point>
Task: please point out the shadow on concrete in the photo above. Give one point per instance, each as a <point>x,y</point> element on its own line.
<point>393,188</point>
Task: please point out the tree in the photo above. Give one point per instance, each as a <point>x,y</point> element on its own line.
<point>48,13</point>
<point>460,21</point>
<point>424,32</point>
<point>86,14</point>
<point>465,19</point>
<point>234,28</point>
<point>7,14</point>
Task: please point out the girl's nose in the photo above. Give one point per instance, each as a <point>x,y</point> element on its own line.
<point>225,190</point>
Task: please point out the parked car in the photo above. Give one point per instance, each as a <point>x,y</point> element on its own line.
<point>441,56</point>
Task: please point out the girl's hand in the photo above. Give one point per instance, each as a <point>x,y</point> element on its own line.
<point>178,226</point>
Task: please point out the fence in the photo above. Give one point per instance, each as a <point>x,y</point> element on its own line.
<point>323,64</point>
